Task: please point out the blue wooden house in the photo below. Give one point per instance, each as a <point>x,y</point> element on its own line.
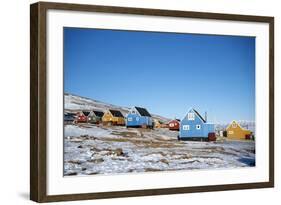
<point>194,127</point>
<point>139,117</point>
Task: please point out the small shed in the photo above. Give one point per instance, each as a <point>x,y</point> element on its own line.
<point>165,125</point>
<point>194,127</point>
<point>82,116</point>
<point>236,132</point>
<point>95,117</point>
<point>174,125</point>
<point>139,117</point>
<point>113,117</point>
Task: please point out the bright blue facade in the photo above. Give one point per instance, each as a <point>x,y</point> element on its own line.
<point>194,126</point>
<point>135,120</point>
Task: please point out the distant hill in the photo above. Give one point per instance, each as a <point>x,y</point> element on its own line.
<point>249,125</point>
<point>74,103</point>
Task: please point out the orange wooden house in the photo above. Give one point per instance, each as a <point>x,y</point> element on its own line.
<point>236,132</point>
<point>113,117</point>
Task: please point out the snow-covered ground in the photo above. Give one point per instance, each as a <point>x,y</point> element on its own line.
<point>94,149</point>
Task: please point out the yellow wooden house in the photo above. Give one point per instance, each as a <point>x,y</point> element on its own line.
<point>236,132</point>
<point>157,124</point>
<point>113,117</point>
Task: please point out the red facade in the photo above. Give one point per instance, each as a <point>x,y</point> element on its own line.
<point>174,125</point>
<point>81,118</point>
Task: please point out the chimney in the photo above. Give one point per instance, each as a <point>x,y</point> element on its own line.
<point>206,116</point>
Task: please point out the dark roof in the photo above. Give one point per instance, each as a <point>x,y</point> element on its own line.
<point>116,113</point>
<point>86,113</point>
<point>199,116</point>
<point>143,111</point>
<point>69,114</point>
<point>98,113</point>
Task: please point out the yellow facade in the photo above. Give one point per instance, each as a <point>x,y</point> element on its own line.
<point>110,119</point>
<point>236,132</point>
<point>157,124</point>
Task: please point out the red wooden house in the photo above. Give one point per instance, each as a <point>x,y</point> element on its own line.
<point>174,125</point>
<point>82,117</point>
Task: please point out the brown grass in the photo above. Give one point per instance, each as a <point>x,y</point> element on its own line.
<point>146,143</point>
<point>125,134</point>
<point>74,162</point>
<point>98,160</point>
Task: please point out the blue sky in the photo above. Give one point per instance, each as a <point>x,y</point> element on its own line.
<point>165,72</point>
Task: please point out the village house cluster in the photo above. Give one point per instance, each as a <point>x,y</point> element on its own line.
<point>192,127</point>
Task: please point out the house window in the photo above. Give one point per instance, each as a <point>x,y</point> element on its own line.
<point>130,119</point>
<point>198,127</point>
<point>190,116</point>
<point>185,127</point>
<point>134,112</point>
<point>230,132</point>
<point>137,118</point>
<point>234,125</point>
<point>172,125</point>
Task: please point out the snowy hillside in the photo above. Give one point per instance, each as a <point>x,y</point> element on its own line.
<point>77,103</point>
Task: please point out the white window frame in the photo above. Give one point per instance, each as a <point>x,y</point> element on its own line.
<point>185,127</point>
<point>130,119</point>
<point>230,132</point>
<point>191,116</point>
<point>198,127</point>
